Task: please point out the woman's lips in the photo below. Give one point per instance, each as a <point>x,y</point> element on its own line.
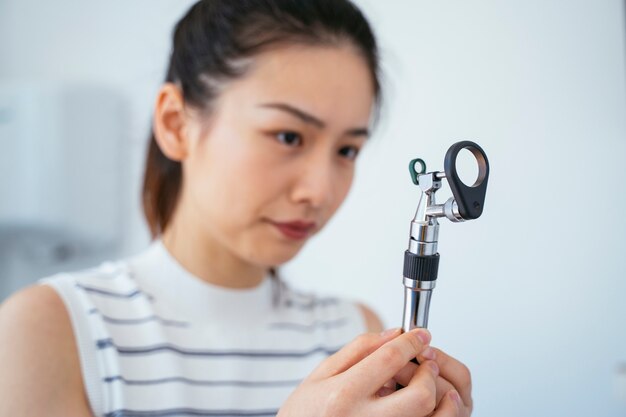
<point>296,230</point>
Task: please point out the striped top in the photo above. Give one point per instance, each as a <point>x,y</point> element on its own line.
<point>154,340</point>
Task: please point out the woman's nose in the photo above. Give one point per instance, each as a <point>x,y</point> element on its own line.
<point>314,184</point>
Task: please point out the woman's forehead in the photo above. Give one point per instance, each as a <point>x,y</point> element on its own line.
<point>331,83</point>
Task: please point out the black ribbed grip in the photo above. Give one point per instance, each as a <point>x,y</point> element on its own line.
<point>421,268</point>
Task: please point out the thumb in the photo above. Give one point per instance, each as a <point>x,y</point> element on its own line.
<point>353,353</point>
<point>450,405</point>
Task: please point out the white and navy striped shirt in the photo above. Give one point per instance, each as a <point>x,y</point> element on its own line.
<point>154,340</point>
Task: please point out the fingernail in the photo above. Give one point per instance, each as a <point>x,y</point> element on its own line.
<point>423,335</point>
<point>434,367</point>
<point>429,353</point>
<point>455,397</point>
<point>389,332</point>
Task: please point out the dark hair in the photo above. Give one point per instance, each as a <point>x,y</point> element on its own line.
<point>211,42</point>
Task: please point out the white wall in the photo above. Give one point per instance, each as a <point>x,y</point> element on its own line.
<point>530,294</point>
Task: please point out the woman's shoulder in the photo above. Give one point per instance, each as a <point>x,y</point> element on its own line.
<point>372,320</point>
<point>42,321</point>
<point>111,278</point>
<point>103,272</point>
<point>40,357</point>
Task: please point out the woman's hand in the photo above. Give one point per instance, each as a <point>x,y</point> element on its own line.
<point>353,381</point>
<point>453,376</point>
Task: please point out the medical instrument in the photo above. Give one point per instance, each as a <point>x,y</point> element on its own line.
<point>421,259</point>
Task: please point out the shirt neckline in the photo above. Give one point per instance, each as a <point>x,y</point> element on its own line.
<point>176,290</point>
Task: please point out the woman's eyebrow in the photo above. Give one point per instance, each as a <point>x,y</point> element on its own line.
<point>309,118</point>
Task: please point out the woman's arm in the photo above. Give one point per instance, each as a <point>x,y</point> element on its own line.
<point>38,356</point>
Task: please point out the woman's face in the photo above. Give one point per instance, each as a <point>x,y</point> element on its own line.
<point>279,146</point>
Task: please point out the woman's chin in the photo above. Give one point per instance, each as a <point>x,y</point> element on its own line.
<point>278,254</point>
<point>284,256</point>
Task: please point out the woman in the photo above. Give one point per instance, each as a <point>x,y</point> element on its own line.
<point>265,107</point>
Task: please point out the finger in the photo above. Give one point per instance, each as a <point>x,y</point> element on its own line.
<point>404,376</point>
<point>352,353</point>
<point>408,370</point>
<point>384,391</point>
<point>450,406</point>
<point>418,397</point>
<point>457,373</point>
<point>390,384</point>
<point>381,365</point>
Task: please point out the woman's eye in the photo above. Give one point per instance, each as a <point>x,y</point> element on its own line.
<point>289,138</point>
<point>349,152</point>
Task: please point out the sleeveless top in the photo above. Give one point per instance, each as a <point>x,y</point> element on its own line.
<point>155,340</point>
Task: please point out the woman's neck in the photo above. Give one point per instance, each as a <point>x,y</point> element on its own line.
<point>205,258</point>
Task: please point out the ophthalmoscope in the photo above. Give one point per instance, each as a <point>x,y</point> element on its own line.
<point>421,259</point>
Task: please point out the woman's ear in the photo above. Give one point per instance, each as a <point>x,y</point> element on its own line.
<point>170,122</point>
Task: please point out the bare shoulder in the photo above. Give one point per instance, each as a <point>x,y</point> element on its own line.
<point>38,356</point>
<point>373,322</point>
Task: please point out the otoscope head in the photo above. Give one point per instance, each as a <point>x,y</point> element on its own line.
<point>470,199</point>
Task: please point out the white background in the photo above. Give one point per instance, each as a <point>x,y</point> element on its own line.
<point>531,295</point>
